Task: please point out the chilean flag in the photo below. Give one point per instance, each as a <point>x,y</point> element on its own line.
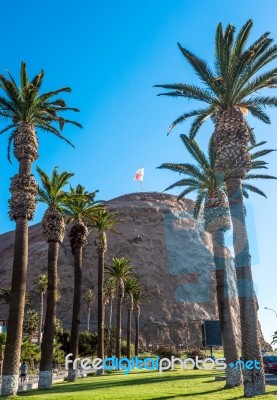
<point>139,175</point>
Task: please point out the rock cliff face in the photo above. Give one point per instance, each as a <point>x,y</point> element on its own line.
<point>171,255</point>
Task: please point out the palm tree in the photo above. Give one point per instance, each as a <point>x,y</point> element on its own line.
<point>229,92</point>
<point>31,323</point>
<point>27,110</point>
<point>210,187</point>
<point>81,211</point>
<point>109,290</point>
<point>119,270</point>
<point>90,296</point>
<point>51,193</point>
<point>138,297</point>
<point>104,222</point>
<point>131,285</point>
<point>41,283</point>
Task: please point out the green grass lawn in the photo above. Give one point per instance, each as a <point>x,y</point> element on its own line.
<point>145,385</point>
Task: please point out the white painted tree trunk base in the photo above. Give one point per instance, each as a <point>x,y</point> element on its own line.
<point>72,375</point>
<point>45,380</point>
<point>254,383</point>
<point>9,385</point>
<point>233,377</point>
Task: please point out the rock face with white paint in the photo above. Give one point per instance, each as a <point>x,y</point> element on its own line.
<point>170,253</point>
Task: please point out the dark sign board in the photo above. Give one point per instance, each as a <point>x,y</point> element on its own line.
<point>211,333</point>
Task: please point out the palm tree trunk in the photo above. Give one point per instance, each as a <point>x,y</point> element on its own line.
<point>16,310</point>
<point>40,318</point>
<point>254,383</point>
<point>75,326</point>
<point>100,339</point>
<point>110,328</point>
<point>129,333</point>
<point>1,362</point>
<point>230,345</point>
<point>118,328</point>
<point>47,346</point>
<point>137,332</point>
<point>88,320</point>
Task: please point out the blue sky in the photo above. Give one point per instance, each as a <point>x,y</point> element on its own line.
<point>111,54</point>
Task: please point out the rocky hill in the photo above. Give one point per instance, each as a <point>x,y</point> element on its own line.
<point>171,255</point>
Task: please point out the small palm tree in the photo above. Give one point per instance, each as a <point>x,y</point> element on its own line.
<point>138,297</point>
<point>51,193</point>
<point>31,323</point>
<point>119,270</point>
<point>41,283</point>
<point>131,285</point>
<point>210,187</point>
<point>27,110</point>
<point>104,222</point>
<point>229,92</point>
<point>81,211</point>
<point>90,297</point>
<point>109,290</point>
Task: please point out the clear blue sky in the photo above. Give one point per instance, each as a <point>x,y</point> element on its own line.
<point>111,53</point>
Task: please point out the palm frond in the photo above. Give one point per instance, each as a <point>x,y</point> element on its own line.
<point>253,189</point>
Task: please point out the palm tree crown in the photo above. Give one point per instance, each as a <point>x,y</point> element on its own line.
<point>24,104</point>
<point>119,270</point>
<point>202,176</point>
<point>51,192</point>
<point>41,283</point>
<point>80,208</point>
<point>233,82</point>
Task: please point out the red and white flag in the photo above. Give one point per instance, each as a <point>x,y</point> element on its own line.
<point>139,175</point>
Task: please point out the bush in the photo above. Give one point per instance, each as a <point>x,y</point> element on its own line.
<point>124,348</point>
<point>192,353</point>
<point>64,339</point>
<point>88,344</point>
<point>167,351</point>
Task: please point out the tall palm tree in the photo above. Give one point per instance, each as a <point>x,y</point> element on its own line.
<point>26,110</point>
<point>211,188</point>
<point>81,210</point>
<point>41,283</point>
<point>230,91</point>
<point>51,192</point>
<point>90,296</point>
<point>138,297</point>
<point>131,285</point>
<point>31,323</point>
<point>119,270</point>
<point>109,290</point>
<point>104,222</point>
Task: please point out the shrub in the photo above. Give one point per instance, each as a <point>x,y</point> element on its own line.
<point>124,348</point>
<point>88,344</point>
<point>167,351</point>
<point>192,353</point>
